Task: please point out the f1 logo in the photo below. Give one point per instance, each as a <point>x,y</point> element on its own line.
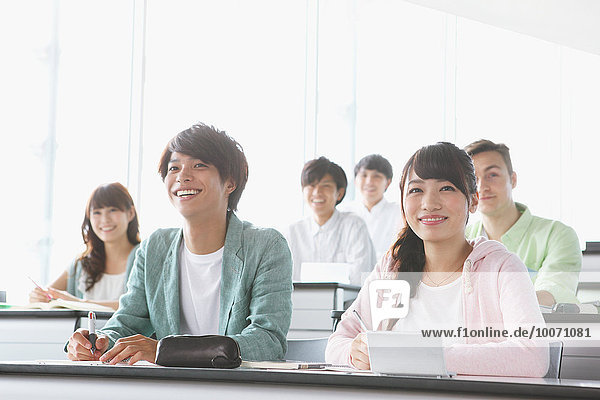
<point>389,300</point>
<point>384,295</point>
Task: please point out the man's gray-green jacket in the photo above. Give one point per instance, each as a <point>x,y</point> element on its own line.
<point>256,289</point>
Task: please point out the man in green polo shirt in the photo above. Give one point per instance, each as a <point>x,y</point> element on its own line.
<point>549,249</point>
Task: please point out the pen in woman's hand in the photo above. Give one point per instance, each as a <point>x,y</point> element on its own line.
<point>39,287</point>
<point>362,324</point>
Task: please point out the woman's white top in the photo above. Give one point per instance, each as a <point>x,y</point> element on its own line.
<point>199,291</point>
<point>434,308</point>
<point>109,287</point>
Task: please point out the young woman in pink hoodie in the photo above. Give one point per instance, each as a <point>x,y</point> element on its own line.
<point>454,282</point>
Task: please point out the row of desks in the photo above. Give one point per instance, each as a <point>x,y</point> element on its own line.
<point>26,380</point>
<point>34,335</point>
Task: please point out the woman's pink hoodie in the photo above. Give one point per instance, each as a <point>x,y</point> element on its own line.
<point>497,293</point>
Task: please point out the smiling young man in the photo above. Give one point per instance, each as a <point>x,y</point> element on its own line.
<point>216,275</point>
<point>372,176</point>
<point>329,235</point>
<point>548,248</point>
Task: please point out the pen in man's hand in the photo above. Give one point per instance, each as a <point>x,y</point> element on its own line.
<point>362,324</point>
<point>92,330</point>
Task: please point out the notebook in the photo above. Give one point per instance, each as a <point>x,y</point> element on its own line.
<point>58,304</point>
<point>400,353</point>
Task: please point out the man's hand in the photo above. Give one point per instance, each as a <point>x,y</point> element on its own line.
<point>135,348</point>
<point>359,352</point>
<point>80,348</point>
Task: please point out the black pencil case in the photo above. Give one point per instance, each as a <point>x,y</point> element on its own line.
<point>208,351</point>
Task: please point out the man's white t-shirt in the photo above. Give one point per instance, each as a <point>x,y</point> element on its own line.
<point>199,291</point>
<point>384,221</point>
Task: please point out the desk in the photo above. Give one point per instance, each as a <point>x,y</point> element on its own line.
<point>589,278</point>
<point>312,304</point>
<point>22,380</point>
<point>580,358</point>
<point>36,334</point>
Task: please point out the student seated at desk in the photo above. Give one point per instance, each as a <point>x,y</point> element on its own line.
<point>216,275</point>
<point>111,235</point>
<point>328,235</point>
<point>454,282</point>
<point>372,176</point>
<point>549,249</point>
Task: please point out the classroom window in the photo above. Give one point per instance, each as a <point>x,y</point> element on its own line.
<point>290,81</point>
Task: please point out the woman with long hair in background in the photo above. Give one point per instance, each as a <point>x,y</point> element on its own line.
<point>110,231</point>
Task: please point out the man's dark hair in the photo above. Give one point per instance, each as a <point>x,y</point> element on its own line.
<point>375,162</point>
<point>316,169</point>
<point>482,145</point>
<point>213,147</point>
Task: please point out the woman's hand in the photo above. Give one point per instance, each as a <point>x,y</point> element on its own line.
<point>62,294</point>
<point>136,348</point>
<point>359,352</point>
<point>80,348</point>
<point>39,295</point>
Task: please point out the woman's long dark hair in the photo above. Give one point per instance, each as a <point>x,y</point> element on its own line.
<point>93,259</point>
<point>442,160</point>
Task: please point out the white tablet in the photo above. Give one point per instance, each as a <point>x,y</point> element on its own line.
<point>400,353</point>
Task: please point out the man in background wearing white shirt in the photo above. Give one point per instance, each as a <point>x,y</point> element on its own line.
<point>329,236</point>
<point>372,176</point>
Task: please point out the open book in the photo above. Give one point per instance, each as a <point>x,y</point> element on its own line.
<point>59,304</point>
<point>141,363</point>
